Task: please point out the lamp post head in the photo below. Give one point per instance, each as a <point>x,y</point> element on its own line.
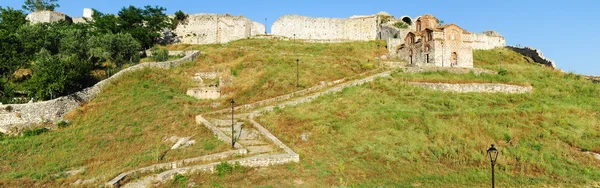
<point>493,154</point>
<point>232,102</point>
<point>297,60</point>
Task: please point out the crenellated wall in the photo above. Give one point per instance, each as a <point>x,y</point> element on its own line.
<point>361,28</point>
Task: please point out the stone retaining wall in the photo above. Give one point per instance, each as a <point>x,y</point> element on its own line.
<point>22,116</point>
<point>475,87</point>
<point>534,54</point>
<point>476,71</point>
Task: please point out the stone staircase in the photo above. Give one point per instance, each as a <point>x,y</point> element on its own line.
<point>246,136</point>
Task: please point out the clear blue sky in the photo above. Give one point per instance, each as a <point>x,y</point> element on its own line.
<point>568,32</point>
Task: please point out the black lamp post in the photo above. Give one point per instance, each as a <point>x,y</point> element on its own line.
<point>297,72</point>
<point>500,55</point>
<point>493,154</point>
<point>265,26</point>
<point>232,131</point>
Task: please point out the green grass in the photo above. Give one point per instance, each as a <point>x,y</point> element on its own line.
<point>392,134</point>
<point>263,68</point>
<point>122,129</point>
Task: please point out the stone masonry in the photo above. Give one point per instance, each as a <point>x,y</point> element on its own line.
<point>216,28</point>
<point>47,16</point>
<point>361,28</point>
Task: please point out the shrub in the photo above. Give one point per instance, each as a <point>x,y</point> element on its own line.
<point>395,35</point>
<point>224,168</point>
<point>400,25</point>
<point>34,132</point>
<point>180,16</point>
<point>159,54</point>
<point>8,108</point>
<point>62,124</point>
<point>180,178</point>
<point>503,72</point>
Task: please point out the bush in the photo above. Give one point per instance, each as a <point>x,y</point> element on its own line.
<point>400,25</point>
<point>180,178</point>
<point>503,72</point>
<point>62,124</point>
<point>180,16</point>
<point>159,54</point>
<point>8,108</point>
<point>34,132</point>
<point>224,168</point>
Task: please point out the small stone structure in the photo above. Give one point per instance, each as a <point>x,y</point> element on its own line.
<point>20,116</point>
<point>361,28</point>
<point>216,28</point>
<point>534,54</point>
<point>207,92</point>
<point>47,16</point>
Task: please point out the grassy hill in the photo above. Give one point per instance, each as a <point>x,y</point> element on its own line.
<point>124,128</point>
<point>392,134</point>
<point>385,133</point>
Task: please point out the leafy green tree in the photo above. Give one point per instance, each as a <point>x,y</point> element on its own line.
<point>11,52</point>
<point>145,24</point>
<point>104,23</point>
<point>120,48</point>
<point>11,19</point>
<point>55,76</point>
<point>39,5</point>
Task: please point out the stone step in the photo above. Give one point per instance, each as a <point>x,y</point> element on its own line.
<point>252,142</point>
<point>259,149</point>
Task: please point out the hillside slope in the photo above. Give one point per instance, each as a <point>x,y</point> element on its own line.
<point>125,127</point>
<point>389,133</point>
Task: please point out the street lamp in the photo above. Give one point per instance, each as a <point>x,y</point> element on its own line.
<point>493,154</point>
<point>500,55</point>
<point>265,26</point>
<point>297,72</point>
<point>232,131</point>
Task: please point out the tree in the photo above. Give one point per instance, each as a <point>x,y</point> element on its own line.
<point>39,5</point>
<point>54,76</point>
<point>145,24</point>
<point>11,19</point>
<point>11,52</point>
<point>120,48</point>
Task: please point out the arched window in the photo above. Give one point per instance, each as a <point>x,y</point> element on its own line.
<point>418,25</point>
<point>429,35</point>
<point>454,59</point>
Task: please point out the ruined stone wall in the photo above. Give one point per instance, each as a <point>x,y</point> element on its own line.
<point>475,87</point>
<point>215,28</point>
<point>21,116</point>
<point>534,54</point>
<point>335,29</point>
<point>47,16</point>
<point>487,40</point>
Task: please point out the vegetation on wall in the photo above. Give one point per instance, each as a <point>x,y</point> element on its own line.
<point>400,25</point>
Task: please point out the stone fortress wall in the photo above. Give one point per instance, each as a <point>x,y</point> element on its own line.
<point>47,16</point>
<point>362,28</point>
<point>19,116</point>
<point>534,54</point>
<point>487,40</point>
<point>216,28</point>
